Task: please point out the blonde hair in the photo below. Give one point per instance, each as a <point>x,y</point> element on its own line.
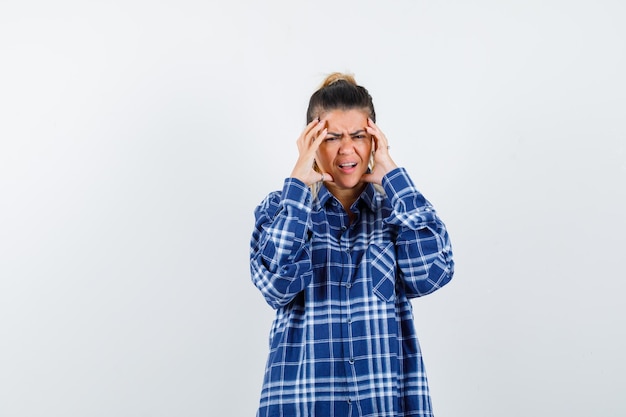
<point>337,76</point>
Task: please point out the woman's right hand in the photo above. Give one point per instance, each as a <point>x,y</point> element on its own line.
<point>308,143</point>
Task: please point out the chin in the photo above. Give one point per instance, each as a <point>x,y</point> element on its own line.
<point>348,184</point>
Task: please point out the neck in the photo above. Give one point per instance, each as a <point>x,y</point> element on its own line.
<point>347,196</point>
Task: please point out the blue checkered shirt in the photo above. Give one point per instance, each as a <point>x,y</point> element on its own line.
<point>343,341</point>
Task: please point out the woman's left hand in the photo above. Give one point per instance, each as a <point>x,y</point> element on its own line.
<point>382,160</point>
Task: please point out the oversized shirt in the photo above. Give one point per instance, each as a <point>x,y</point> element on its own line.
<point>343,341</point>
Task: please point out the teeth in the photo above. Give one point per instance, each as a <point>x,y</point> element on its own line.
<point>353,164</point>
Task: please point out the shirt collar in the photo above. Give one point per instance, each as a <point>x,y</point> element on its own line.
<point>367,197</point>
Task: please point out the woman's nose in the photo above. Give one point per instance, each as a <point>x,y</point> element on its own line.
<point>346,146</point>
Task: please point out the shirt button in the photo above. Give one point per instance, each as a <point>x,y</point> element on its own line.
<point>351,361</point>
<point>348,285</point>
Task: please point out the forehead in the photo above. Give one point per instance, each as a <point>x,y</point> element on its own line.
<point>346,120</point>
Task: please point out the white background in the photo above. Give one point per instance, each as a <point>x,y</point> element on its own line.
<point>137,137</point>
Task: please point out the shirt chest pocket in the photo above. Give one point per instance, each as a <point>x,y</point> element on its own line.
<point>382,269</point>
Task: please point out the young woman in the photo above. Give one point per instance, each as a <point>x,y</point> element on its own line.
<point>338,253</point>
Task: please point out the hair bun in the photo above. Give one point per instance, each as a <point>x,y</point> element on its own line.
<point>340,91</point>
<point>338,76</point>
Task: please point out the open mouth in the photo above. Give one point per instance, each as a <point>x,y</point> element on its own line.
<point>347,165</point>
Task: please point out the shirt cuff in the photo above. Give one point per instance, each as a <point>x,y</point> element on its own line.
<point>398,184</point>
<point>397,180</point>
<point>296,193</point>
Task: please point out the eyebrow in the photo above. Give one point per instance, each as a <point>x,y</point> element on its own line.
<point>357,132</point>
<point>351,134</point>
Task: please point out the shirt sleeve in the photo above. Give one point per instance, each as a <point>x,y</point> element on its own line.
<point>423,250</point>
<point>280,256</point>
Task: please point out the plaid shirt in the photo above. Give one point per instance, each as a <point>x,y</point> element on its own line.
<point>343,341</point>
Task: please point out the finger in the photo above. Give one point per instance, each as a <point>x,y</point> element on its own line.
<point>375,130</point>
<point>315,132</point>
<point>381,139</point>
<point>308,129</point>
<point>371,178</point>
<point>372,129</point>
<point>311,125</point>
<point>317,140</point>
